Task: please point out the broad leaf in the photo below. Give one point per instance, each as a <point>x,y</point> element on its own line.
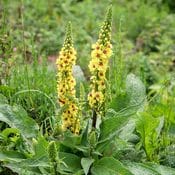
<point>86,163</point>
<point>163,170</point>
<point>29,166</point>
<point>109,166</point>
<point>135,91</point>
<point>13,156</point>
<point>149,169</point>
<point>132,100</point>
<point>24,170</point>
<point>71,140</point>
<point>72,162</point>
<point>109,129</point>
<point>111,126</point>
<point>16,117</point>
<point>127,131</point>
<point>138,169</point>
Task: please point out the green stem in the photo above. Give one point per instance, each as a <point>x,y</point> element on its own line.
<point>94,119</point>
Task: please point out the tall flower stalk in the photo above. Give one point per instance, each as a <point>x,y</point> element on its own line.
<point>66,84</point>
<point>101,52</point>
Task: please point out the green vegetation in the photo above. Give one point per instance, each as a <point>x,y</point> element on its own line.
<point>131,131</point>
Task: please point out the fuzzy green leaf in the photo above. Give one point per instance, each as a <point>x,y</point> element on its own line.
<point>110,127</point>
<point>135,91</point>
<point>86,163</point>
<point>11,156</point>
<point>72,162</point>
<point>109,166</point>
<point>16,117</point>
<point>163,170</point>
<point>29,166</point>
<point>149,169</point>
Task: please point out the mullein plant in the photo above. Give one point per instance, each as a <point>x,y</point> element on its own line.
<point>98,66</point>
<point>66,85</point>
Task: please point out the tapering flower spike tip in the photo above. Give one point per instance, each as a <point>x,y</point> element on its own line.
<point>68,42</point>
<point>105,32</point>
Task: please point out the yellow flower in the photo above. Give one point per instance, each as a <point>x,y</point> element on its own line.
<point>99,97</point>
<point>95,98</point>
<point>66,85</point>
<point>101,52</point>
<point>97,54</point>
<point>93,65</point>
<point>101,85</point>
<point>91,98</point>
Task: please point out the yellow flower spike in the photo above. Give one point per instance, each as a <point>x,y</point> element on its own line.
<point>101,52</point>
<point>66,84</point>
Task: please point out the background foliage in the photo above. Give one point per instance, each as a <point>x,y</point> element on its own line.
<point>139,128</point>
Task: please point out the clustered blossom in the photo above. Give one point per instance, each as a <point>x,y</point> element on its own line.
<point>101,52</point>
<point>66,85</point>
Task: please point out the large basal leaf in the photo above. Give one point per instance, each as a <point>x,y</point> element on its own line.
<point>14,156</point>
<point>18,163</point>
<point>21,171</point>
<point>24,170</point>
<point>109,166</point>
<point>128,130</point>
<point>163,170</point>
<point>111,126</point>
<point>29,166</point>
<point>139,169</point>
<point>135,91</point>
<point>16,117</point>
<point>132,100</point>
<point>149,169</point>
